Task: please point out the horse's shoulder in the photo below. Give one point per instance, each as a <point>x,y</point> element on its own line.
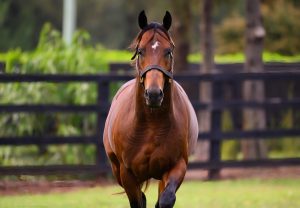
<point>122,98</point>
<point>193,123</point>
<point>118,105</point>
<point>180,92</point>
<point>124,88</point>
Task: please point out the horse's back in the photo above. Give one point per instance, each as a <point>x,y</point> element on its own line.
<point>193,128</point>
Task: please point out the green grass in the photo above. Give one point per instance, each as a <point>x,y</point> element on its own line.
<point>125,56</point>
<point>252,193</point>
<point>240,58</point>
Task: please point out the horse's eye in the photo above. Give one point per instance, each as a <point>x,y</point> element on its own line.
<point>140,52</point>
<point>169,53</point>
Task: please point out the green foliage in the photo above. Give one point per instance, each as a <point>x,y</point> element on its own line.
<point>21,23</point>
<point>229,35</point>
<point>277,148</point>
<point>281,20</point>
<point>17,27</point>
<point>51,56</point>
<point>286,147</point>
<point>114,23</point>
<point>230,148</point>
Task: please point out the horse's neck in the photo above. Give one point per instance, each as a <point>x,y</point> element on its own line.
<point>165,111</point>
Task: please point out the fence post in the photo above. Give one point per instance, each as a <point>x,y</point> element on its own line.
<point>2,67</point>
<point>102,102</point>
<point>215,142</point>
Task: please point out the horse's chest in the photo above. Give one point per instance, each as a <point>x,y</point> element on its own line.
<point>154,157</point>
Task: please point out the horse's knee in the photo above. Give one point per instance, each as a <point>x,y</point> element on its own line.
<point>132,188</point>
<point>167,199</point>
<point>135,203</point>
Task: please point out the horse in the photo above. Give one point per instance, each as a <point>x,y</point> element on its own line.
<point>151,128</point>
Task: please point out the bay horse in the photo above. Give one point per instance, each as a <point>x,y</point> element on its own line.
<point>151,127</point>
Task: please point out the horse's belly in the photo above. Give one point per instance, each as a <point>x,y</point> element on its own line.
<point>160,165</point>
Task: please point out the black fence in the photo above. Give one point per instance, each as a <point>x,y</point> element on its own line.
<point>280,72</point>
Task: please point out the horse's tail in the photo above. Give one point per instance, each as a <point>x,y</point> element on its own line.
<point>119,193</point>
<point>145,185</point>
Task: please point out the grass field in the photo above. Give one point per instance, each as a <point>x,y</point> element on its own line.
<point>250,193</point>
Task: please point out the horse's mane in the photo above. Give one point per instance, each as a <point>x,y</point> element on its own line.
<point>158,28</point>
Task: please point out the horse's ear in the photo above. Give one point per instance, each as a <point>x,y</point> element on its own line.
<point>167,20</point>
<point>143,20</point>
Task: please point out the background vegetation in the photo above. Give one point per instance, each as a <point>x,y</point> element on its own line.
<point>20,23</point>
<point>53,56</point>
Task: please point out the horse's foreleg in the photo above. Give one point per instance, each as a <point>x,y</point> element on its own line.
<point>132,188</point>
<point>172,181</point>
<point>161,187</point>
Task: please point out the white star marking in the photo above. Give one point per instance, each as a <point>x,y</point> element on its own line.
<point>155,45</point>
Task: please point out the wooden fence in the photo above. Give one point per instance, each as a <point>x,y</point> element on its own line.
<point>215,136</point>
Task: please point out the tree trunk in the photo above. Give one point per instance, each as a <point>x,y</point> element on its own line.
<point>254,90</point>
<point>207,37</point>
<point>182,33</point>
<point>181,29</point>
<point>207,67</point>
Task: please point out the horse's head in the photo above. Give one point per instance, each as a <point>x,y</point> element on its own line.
<point>154,51</point>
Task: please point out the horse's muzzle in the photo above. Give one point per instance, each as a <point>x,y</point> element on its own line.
<point>154,97</point>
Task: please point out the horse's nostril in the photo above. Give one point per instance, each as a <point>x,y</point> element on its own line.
<point>146,94</point>
<point>154,95</point>
<point>161,94</point>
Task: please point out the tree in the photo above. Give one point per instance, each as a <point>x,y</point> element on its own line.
<point>254,90</point>
<point>181,28</point>
<point>208,66</point>
<point>20,23</point>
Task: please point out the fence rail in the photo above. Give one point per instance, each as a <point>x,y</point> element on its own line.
<point>291,75</point>
<point>215,136</point>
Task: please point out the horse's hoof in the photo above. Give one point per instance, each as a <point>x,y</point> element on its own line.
<point>167,199</point>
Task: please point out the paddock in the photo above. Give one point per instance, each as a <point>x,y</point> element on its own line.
<point>271,187</point>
